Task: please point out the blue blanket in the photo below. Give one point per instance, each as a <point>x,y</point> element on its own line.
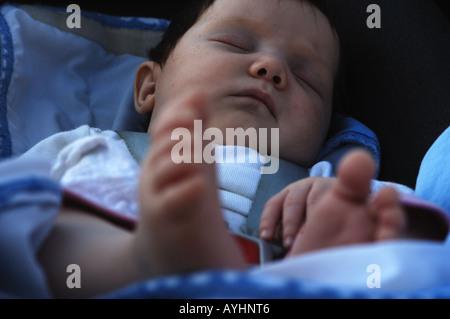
<point>433,182</point>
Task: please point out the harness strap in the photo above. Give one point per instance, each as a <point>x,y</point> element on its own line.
<point>270,185</point>
<point>138,143</point>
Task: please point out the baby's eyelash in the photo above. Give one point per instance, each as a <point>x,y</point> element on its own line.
<point>301,79</point>
<point>235,41</point>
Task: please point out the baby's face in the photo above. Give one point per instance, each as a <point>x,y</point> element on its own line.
<point>261,64</point>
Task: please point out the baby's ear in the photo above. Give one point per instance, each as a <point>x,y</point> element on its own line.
<point>144,86</point>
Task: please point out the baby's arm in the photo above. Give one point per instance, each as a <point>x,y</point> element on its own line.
<point>391,213</point>
<point>101,250</point>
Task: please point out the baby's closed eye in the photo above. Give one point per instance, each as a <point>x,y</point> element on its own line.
<point>235,41</point>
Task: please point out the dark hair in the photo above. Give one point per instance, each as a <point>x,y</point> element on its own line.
<point>183,20</point>
<point>191,12</point>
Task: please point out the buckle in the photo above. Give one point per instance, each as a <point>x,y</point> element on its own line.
<point>257,251</point>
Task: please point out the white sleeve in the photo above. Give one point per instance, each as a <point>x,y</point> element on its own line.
<point>321,169</point>
<point>93,164</point>
<point>100,168</point>
<point>325,169</point>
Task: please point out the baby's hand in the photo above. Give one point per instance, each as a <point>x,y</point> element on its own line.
<point>285,213</point>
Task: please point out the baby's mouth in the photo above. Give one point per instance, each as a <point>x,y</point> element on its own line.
<point>259,96</point>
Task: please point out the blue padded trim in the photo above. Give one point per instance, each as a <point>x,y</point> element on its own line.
<point>6,69</point>
<point>29,184</point>
<point>233,284</point>
<point>154,24</point>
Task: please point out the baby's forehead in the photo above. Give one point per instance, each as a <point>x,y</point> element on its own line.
<point>270,14</point>
<point>266,8</point>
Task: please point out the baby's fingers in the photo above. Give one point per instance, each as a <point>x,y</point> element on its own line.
<point>294,212</point>
<point>271,216</point>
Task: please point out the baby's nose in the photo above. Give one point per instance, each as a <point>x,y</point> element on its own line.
<point>270,69</point>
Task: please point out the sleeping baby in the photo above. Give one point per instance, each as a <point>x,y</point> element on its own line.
<point>249,64</point>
